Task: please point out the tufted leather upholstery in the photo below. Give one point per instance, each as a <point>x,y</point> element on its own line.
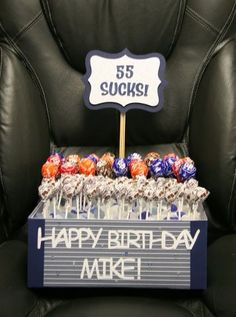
<point>43,45</point>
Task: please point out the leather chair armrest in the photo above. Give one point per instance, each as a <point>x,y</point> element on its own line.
<point>220,294</point>
<point>15,298</point>
<point>212,136</point>
<point>24,139</point>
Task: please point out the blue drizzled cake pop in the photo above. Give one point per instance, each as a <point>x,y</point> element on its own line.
<point>157,168</point>
<point>120,167</point>
<point>169,160</point>
<point>187,171</point>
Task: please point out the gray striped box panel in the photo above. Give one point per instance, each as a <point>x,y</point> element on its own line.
<point>156,267</point>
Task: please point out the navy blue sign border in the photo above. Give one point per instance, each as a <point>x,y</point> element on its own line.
<point>129,106</point>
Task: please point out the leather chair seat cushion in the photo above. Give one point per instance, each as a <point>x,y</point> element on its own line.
<point>15,298</point>
<point>220,294</point>
<point>119,306</point>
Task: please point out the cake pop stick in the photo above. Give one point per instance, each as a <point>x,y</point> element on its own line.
<point>99,208</point>
<point>59,199</point>
<point>153,184</point>
<point>200,195</point>
<point>189,196</point>
<point>46,190</point>
<point>99,191</point>
<point>91,194</point>
<point>189,187</point>
<point>180,199</point>
<point>108,193</point>
<point>171,195</point>
<point>68,191</point>
<point>67,205</point>
<point>108,206</point>
<point>62,180</point>
<point>141,182</point>
<point>148,195</point>
<point>84,201</point>
<point>89,209</point>
<point>159,194</point>
<point>97,198</point>
<point>131,196</point>
<point>104,202</point>
<point>88,181</point>
<point>55,197</point>
<point>168,185</point>
<point>78,192</point>
<point>54,202</point>
<point>119,194</point>
<point>140,207</point>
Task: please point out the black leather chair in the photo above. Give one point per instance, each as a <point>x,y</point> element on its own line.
<point>42,52</point>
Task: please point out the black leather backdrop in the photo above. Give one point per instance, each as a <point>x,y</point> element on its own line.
<point>42,50</point>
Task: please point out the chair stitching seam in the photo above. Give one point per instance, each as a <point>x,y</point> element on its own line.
<point>180,13</point>
<point>36,303</point>
<point>201,70</point>
<point>1,173</point>
<point>185,148</point>
<point>209,26</point>
<point>32,71</point>
<point>55,30</point>
<point>232,186</point>
<point>202,24</point>
<point>231,195</point>
<point>5,202</point>
<point>186,308</point>
<point>27,26</point>
<point>1,64</point>
<point>208,57</point>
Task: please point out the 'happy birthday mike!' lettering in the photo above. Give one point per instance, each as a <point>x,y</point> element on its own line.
<point>107,268</point>
<point>118,239</point>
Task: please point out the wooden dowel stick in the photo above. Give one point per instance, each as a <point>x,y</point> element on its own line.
<point>122,134</point>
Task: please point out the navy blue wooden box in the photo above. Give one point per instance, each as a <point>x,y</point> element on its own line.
<point>116,253</point>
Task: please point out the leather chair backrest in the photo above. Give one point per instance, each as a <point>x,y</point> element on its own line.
<point>52,38</point>
<point>79,26</point>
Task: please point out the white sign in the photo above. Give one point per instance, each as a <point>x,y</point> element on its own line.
<point>124,81</point>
